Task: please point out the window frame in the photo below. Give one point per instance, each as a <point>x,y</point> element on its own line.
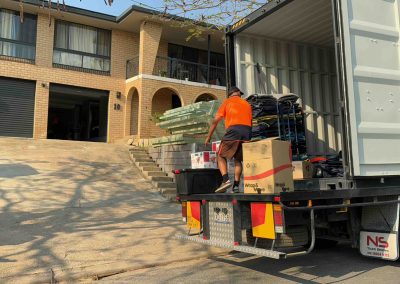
<point>82,53</point>
<point>21,42</point>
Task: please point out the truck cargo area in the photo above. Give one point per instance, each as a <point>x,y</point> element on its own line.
<point>341,58</point>
<point>295,48</point>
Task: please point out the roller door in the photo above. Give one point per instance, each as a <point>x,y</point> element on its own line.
<point>17,103</point>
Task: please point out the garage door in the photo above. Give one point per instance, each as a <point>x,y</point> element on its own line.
<point>17,103</point>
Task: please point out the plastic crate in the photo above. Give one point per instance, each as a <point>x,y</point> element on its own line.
<point>197,181</point>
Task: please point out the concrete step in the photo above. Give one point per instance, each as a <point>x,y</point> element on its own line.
<point>158,173</point>
<point>165,185</point>
<point>150,169</point>
<point>138,151</point>
<point>168,193</point>
<point>161,179</point>
<point>146,164</point>
<point>139,155</point>
<point>143,160</point>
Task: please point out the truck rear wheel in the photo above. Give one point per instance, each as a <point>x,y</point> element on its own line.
<point>295,236</point>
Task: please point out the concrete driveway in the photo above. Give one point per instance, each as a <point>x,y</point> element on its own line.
<point>325,266</point>
<point>72,210</point>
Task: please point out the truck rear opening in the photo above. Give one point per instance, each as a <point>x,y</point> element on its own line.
<point>342,58</point>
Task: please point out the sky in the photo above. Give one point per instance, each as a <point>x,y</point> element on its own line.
<point>117,7</point>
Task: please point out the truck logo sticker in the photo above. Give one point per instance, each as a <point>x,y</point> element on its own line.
<point>221,215</point>
<point>379,245</point>
<point>377,242</point>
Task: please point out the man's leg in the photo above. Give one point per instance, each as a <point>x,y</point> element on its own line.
<point>238,168</point>
<point>238,171</point>
<point>222,165</point>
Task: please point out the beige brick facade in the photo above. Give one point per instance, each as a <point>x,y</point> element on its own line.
<point>149,96</point>
<point>136,104</point>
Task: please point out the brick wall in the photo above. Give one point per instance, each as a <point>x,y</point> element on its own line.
<point>150,36</point>
<point>124,46</point>
<point>148,88</point>
<point>163,49</point>
<point>41,111</point>
<point>134,115</point>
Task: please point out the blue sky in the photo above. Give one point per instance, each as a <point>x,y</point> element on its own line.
<point>116,9</point>
<point>119,6</point>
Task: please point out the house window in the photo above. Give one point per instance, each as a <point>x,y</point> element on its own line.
<point>192,63</point>
<point>82,47</point>
<point>17,39</point>
<point>195,55</point>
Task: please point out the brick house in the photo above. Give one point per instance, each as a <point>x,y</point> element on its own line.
<point>81,75</point>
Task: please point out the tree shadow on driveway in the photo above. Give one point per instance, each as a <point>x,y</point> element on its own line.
<point>16,170</point>
<point>84,214</point>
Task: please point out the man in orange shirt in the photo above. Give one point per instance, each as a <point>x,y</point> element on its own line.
<point>238,123</point>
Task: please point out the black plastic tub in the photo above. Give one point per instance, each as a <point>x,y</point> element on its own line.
<point>197,181</point>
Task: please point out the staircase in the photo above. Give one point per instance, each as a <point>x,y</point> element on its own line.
<point>165,184</point>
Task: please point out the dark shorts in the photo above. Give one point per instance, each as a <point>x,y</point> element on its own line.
<point>238,133</point>
<point>231,144</point>
<point>231,149</point>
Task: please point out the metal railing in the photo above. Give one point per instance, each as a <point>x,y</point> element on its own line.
<point>132,67</point>
<point>182,70</point>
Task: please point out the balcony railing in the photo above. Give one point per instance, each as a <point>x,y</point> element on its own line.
<point>182,70</point>
<point>132,67</point>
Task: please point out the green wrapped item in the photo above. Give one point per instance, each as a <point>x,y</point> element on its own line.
<point>175,140</point>
<point>189,124</point>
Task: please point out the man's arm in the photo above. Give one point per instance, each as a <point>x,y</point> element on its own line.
<point>213,126</point>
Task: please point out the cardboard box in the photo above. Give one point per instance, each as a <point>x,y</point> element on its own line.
<point>267,167</point>
<point>302,170</point>
<point>215,146</point>
<point>204,160</point>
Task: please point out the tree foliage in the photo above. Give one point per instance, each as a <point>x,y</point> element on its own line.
<point>217,13</point>
<point>201,16</point>
<point>198,15</point>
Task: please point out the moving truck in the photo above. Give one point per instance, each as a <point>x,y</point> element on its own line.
<point>342,58</point>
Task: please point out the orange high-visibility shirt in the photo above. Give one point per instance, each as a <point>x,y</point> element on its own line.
<point>235,111</point>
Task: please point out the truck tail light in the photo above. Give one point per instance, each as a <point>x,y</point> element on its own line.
<point>184,211</point>
<point>278,218</point>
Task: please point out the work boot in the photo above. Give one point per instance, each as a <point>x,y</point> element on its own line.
<point>224,187</point>
<point>235,189</point>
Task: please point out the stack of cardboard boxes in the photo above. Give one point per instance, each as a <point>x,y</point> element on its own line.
<point>268,167</point>
<point>204,160</point>
<point>208,159</point>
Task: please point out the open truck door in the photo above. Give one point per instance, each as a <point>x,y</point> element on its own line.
<point>369,50</point>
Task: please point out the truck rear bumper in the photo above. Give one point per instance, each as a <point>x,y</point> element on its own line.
<point>240,248</point>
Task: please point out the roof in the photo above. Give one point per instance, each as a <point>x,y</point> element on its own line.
<point>111,18</point>
<point>128,21</point>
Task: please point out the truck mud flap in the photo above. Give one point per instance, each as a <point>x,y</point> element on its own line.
<point>379,235</point>
<point>239,248</point>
